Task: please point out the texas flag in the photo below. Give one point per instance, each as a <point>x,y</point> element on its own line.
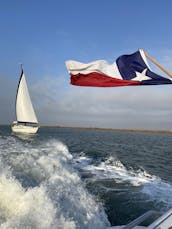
<point>128,70</point>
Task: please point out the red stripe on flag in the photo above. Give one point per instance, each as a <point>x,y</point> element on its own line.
<point>95,79</point>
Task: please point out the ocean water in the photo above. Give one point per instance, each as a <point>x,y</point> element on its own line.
<point>86,179</point>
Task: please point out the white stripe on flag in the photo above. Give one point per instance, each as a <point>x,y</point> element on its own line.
<point>100,66</point>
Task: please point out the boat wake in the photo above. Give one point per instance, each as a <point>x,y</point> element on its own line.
<point>40,188</point>
<point>152,187</point>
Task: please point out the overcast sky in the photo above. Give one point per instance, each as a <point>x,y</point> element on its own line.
<point>44,34</point>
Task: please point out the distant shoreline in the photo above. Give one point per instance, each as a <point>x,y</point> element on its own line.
<point>111,129</point>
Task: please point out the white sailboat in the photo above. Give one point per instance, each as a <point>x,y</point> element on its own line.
<point>26,119</point>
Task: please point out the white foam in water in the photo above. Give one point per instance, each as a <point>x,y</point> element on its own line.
<point>82,161</point>
<point>160,192</point>
<point>155,189</point>
<point>114,169</point>
<point>20,208</point>
<point>57,197</point>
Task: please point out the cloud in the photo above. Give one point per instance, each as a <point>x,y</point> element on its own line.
<point>59,103</point>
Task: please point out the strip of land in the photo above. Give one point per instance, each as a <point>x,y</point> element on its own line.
<point>111,129</point>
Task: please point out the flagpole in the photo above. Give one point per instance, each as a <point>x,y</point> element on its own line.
<point>158,65</point>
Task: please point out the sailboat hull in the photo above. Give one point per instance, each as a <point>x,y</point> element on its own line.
<point>21,129</point>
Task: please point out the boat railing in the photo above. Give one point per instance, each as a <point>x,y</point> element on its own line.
<point>140,219</point>
<point>162,222</point>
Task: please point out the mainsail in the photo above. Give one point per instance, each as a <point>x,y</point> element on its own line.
<point>24,109</point>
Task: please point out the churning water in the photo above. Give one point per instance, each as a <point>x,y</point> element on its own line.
<point>66,178</point>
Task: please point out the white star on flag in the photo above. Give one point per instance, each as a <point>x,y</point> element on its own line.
<point>141,76</point>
